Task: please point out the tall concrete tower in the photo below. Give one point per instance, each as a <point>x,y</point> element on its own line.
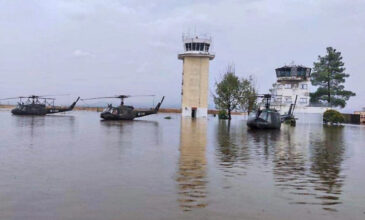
<point>195,82</point>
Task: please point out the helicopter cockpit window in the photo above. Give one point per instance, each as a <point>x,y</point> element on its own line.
<point>108,109</point>
<point>115,111</point>
<point>263,115</point>
<point>269,117</point>
<point>20,106</point>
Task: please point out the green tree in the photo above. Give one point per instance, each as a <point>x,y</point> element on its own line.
<point>233,93</point>
<point>333,117</point>
<point>329,75</point>
<point>251,95</point>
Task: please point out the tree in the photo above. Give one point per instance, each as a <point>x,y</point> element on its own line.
<point>233,93</point>
<point>329,75</point>
<point>251,95</point>
<point>333,117</point>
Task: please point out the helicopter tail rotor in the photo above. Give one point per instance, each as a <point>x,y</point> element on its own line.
<point>159,104</point>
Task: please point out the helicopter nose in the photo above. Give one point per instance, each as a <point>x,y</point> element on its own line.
<point>14,111</point>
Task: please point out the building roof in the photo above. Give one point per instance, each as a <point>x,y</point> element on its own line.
<point>293,66</point>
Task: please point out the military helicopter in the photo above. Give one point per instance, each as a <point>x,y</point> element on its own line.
<point>125,112</point>
<point>38,105</point>
<point>289,117</point>
<point>270,118</point>
<point>267,118</point>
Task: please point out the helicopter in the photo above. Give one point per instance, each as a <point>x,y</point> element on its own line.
<point>125,112</point>
<point>38,105</point>
<point>289,117</point>
<point>270,118</point>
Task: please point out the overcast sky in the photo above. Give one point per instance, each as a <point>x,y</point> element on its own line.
<point>106,47</point>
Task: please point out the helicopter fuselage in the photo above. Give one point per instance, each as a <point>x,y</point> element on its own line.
<point>124,113</point>
<point>127,112</point>
<point>264,119</point>
<point>36,108</point>
<point>30,109</point>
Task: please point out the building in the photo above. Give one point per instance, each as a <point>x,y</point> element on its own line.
<point>293,81</point>
<point>362,115</point>
<point>195,76</point>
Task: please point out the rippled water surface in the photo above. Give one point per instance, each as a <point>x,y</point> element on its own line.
<point>74,166</point>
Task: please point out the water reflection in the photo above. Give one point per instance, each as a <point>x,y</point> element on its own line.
<point>29,121</point>
<point>327,153</point>
<point>127,133</point>
<point>191,177</point>
<point>289,163</point>
<point>232,150</point>
<point>315,180</point>
<point>264,142</point>
<point>36,124</point>
<point>305,160</point>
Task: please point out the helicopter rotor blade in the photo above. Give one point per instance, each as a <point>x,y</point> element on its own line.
<point>19,97</point>
<point>141,95</point>
<point>29,97</point>
<point>54,95</point>
<point>10,98</point>
<point>108,97</point>
<point>47,98</point>
<point>117,97</point>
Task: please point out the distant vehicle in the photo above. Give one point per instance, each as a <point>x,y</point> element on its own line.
<point>125,112</point>
<point>270,118</point>
<point>38,105</point>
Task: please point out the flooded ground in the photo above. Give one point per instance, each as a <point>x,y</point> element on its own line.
<point>74,166</point>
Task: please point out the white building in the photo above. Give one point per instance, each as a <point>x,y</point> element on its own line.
<point>293,81</point>
<point>195,75</point>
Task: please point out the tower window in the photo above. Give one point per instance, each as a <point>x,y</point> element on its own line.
<point>201,47</point>
<point>283,72</point>
<point>194,46</point>
<point>288,86</point>
<point>304,86</point>
<point>301,72</point>
<point>207,47</point>
<point>188,46</point>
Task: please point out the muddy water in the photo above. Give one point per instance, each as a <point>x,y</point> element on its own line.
<point>74,166</point>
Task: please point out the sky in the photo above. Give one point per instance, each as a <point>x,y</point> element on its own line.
<point>93,48</point>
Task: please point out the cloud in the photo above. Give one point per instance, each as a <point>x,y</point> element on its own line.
<point>81,53</point>
<point>138,42</point>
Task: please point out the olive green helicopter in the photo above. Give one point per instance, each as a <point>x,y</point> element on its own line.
<point>125,112</point>
<point>39,105</point>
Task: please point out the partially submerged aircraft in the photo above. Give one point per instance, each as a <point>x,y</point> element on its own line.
<point>125,112</point>
<point>270,118</point>
<point>38,105</point>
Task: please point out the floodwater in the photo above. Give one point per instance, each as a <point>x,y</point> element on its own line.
<point>74,166</point>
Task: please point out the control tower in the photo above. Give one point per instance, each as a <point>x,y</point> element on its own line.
<point>195,80</point>
<point>292,81</point>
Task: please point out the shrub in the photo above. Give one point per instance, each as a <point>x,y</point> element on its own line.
<point>333,117</point>
<point>222,114</point>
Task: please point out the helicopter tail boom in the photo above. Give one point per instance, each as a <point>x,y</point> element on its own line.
<point>62,109</point>
<point>159,104</point>
<point>72,106</point>
<point>142,113</point>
